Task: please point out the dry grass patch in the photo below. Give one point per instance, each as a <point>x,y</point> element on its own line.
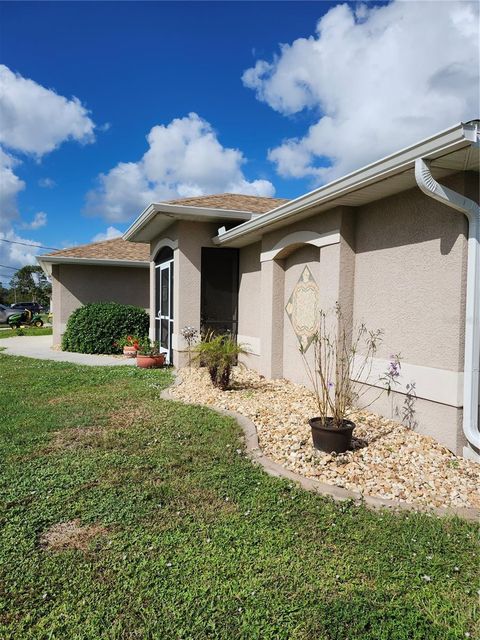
<point>74,438</point>
<point>70,535</point>
<point>94,436</point>
<point>128,416</point>
<point>203,501</point>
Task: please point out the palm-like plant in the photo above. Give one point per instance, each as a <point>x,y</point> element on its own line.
<point>219,354</point>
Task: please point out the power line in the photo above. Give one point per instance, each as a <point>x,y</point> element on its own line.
<point>28,244</point>
<point>5,266</point>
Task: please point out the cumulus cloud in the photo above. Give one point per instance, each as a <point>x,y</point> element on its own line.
<point>184,158</point>
<point>36,120</point>
<point>375,78</point>
<point>39,220</point>
<point>109,234</point>
<point>10,186</point>
<point>17,255</point>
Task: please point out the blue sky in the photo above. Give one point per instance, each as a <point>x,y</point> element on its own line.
<point>136,65</point>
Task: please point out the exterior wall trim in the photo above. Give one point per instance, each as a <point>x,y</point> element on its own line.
<point>301,237</point>
<point>163,242</point>
<point>437,385</point>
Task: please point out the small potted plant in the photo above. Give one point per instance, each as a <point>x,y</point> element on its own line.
<point>148,354</point>
<point>130,346</point>
<point>340,358</point>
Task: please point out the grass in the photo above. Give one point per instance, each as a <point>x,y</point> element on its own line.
<point>182,537</point>
<point>27,331</point>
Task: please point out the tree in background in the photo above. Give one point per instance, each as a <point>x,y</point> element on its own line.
<point>4,293</point>
<point>29,284</point>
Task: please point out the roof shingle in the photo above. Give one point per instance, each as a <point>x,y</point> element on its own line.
<point>232,202</point>
<point>116,249</point>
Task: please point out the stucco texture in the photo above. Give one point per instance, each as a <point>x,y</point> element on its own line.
<point>75,285</point>
<point>409,275</point>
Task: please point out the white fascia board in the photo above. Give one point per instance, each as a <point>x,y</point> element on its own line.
<point>182,212</point>
<point>46,262</point>
<point>444,142</point>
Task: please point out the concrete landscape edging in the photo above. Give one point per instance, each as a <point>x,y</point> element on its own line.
<point>277,470</point>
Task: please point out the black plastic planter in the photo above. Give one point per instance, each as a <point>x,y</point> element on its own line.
<point>330,438</point>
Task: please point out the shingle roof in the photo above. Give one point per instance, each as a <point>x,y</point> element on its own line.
<point>233,202</point>
<point>116,249</point>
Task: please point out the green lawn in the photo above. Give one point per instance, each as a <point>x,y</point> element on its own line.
<point>27,331</point>
<point>196,542</point>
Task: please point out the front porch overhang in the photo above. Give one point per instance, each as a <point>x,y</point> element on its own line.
<point>159,216</point>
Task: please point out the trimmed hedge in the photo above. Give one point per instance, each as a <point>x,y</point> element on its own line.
<point>98,326</point>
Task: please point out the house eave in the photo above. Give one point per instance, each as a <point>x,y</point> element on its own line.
<point>46,262</point>
<point>336,193</point>
<point>159,216</point>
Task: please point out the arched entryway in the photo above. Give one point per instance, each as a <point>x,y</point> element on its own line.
<point>164,301</point>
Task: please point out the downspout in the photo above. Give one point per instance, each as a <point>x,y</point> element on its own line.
<point>471,210</point>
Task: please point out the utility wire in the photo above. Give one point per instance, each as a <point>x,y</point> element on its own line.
<point>28,244</point>
<point>5,266</point>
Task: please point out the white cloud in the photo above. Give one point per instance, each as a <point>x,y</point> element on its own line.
<point>37,120</point>
<point>34,121</point>
<point>47,183</point>
<point>10,186</point>
<point>17,255</point>
<point>184,158</point>
<point>379,78</point>
<point>39,220</point>
<point>109,234</point>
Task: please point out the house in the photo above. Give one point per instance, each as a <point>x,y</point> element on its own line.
<point>109,271</point>
<point>396,243</point>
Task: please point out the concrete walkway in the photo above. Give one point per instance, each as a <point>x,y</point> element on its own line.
<point>40,347</point>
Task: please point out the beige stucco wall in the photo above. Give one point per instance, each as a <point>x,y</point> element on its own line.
<point>250,302</point>
<point>74,285</point>
<point>409,270</point>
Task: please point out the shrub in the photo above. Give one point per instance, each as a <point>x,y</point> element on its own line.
<point>99,327</point>
<point>219,354</point>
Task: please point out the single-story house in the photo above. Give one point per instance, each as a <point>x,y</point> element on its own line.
<point>109,271</point>
<point>395,243</point>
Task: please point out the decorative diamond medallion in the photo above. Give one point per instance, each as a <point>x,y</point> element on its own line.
<point>303,308</point>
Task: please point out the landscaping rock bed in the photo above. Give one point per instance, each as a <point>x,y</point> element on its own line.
<point>389,460</point>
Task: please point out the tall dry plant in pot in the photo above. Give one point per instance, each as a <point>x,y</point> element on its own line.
<point>341,357</point>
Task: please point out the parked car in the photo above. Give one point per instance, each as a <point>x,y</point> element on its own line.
<point>6,312</point>
<point>34,307</point>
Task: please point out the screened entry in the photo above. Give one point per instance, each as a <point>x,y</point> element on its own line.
<point>164,301</point>
<point>219,295</point>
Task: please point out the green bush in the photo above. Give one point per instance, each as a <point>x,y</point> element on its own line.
<point>98,327</point>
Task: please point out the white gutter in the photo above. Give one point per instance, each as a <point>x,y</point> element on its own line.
<point>442,143</point>
<point>46,262</point>
<point>471,210</point>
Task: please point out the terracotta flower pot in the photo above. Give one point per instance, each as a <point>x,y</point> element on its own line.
<point>150,362</point>
<point>329,438</point>
<point>130,352</point>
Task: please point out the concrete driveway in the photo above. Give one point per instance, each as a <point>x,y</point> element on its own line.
<point>40,347</point>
